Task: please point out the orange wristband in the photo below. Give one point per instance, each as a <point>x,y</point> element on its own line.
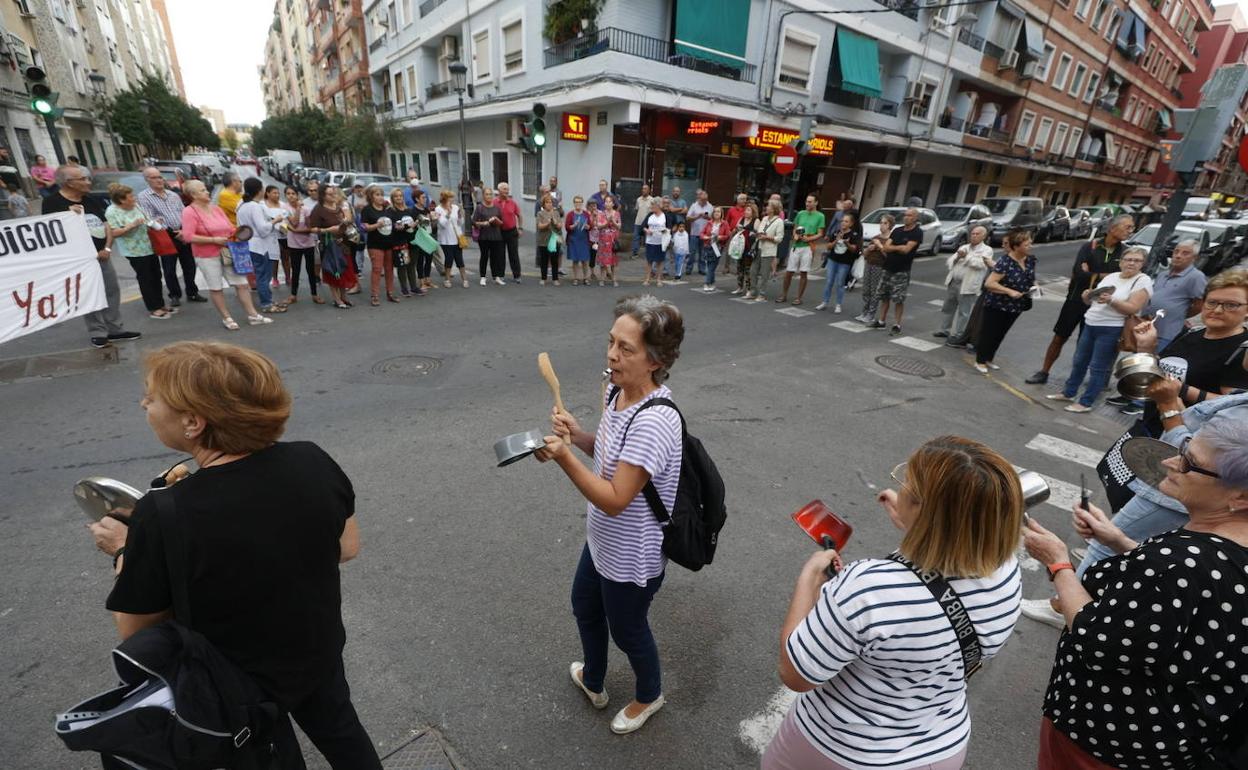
<point>1058,567</point>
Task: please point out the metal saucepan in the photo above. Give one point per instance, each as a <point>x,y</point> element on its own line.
<point>1135,373</point>
<point>1035,489</point>
<point>99,496</point>
<point>518,446</point>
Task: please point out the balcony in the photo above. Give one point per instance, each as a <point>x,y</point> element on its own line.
<point>428,6</point>
<point>651,48</point>
<point>434,90</point>
<point>860,102</point>
<point>904,7</point>
<point>952,123</point>
<point>970,38</point>
<point>989,133</point>
<point>993,50</point>
<point>383,107</point>
<point>378,43</point>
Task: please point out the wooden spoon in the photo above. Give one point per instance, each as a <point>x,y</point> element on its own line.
<point>548,374</point>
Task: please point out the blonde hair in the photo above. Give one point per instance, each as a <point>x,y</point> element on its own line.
<point>445,195</point>
<point>548,198</point>
<point>117,192</point>
<point>970,508</point>
<point>399,192</point>
<point>238,392</point>
<point>1228,279</point>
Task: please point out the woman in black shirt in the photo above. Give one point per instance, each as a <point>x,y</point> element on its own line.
<point>1007,295</point>
<point>266,525</point>
<point>488,219</point>
<point>844,246</point>
<point>379,217</point>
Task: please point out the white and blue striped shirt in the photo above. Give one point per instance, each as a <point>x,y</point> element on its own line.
<point>892,692</point>
<point>629,548</point>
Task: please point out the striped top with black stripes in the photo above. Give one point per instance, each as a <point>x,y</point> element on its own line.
<point>892,692</point>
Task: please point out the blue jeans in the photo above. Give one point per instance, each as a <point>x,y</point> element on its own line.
<point>711,262</point>
<point>837,273</point>
<point>264,278</point>
<point>606,609</point>
<point>675,266</point>
<point>1139,520</point>
<point>639,237</point>
<point>1097,349</point>
<point>696,257</point>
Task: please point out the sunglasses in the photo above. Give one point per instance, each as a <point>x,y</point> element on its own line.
<point>1187,466</point>
<point>898,474</point>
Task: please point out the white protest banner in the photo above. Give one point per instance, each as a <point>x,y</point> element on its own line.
<point>48,273</point>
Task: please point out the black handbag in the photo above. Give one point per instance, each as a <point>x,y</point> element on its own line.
<point>1113,472</point>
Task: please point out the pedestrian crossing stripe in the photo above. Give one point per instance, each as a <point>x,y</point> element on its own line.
<point>700,290</point>
<point>744,301</point>
<point>914,343</point>
<point>796,312</point>
<point>851,326</point>
<point>936,302</point>
<point>1065,450</point>
<point>1062,495</point>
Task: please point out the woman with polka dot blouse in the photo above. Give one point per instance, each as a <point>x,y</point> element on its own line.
<point>1152,671</point>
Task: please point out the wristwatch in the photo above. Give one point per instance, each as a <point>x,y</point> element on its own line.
<point>1166,415</point>
<point>1057,567</point>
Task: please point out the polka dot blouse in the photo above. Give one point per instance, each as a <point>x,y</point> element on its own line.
<point>1155,669</point>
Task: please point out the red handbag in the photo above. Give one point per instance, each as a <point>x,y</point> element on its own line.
<point>162,242</point>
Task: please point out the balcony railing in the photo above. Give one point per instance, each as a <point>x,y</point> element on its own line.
<point>428,6</point>
<point>988,132</point>
<point>858,101</point>
<point>970,38</point>
<point>438,89</point>
<point>993,50</point>
<point>654,49</point>
<point>904,7</point>
<point>1089,157</point>
<point>378,43</point>
<point>953,124</point>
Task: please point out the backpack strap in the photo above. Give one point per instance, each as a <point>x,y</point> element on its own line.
<point>177,553</point>
<point>652,494</point>
<point>955,611</point>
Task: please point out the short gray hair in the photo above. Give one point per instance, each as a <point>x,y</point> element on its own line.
<point>61,171</point>
<point>662,329</point>
<point>1120,219</point>
<point>1192,242</point>
<point>1227,433</point>
<point>228,178</point>
<point>1140,250</point>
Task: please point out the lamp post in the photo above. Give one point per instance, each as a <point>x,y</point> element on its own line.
<point>964,21</point>
<point>459,82</point>
<point>97,88</point>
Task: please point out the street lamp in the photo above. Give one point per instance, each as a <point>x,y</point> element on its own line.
<point>97,88</point>
<point>964,21</point>
<point>459,82</point>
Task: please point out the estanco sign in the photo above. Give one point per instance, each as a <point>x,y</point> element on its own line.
<point>775,138</point>
<point>575,127</point>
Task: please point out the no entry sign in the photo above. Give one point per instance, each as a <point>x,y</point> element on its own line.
<point>785,160</point>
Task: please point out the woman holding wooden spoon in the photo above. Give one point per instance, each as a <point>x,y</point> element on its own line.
<point>622,563</point>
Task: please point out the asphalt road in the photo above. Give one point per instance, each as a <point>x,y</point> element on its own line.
<point>457,610</point>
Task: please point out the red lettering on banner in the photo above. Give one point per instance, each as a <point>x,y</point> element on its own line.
<point>30,290</point>
<point>47,306</point>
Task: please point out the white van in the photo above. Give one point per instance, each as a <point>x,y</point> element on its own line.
<point>1198,208</point>
<point>279,159</point>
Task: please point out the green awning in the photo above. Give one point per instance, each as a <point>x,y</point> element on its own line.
<point>715,31</point>
<point>859,57</point>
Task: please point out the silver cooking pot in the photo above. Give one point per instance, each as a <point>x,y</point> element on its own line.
<point>517,446</point>
<point>1135,373</point>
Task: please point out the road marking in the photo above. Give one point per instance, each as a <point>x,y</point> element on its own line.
<point>851,326</point>
<point>940,286</point>
<point>914,343</point>
<point>700,290</point>
<point>1065,450</point>
<point>1062,495</point>
<point>936,302</point>
<point>744,301</point>
<point>757,731</point>
<point>796,312</point>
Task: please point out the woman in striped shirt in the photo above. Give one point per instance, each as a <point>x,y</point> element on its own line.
<point>874,654</point>
<point>621,566</point>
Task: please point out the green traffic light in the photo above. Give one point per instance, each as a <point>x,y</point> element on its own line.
<point>42,106</point>
<point>539,140</point>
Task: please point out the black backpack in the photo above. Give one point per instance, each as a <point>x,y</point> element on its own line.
<point>691,530</point>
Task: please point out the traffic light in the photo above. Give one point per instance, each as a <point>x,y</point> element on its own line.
<point>535,128</point>
<point>42,98</point>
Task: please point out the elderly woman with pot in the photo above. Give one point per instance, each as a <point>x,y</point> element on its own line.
<point>1150,671</point>
<point>622,563</point>
<point>326,221</point>
<point>1116,298</point>
<point>207,228</point>
<point>264,526</point>
<point>880,666</point>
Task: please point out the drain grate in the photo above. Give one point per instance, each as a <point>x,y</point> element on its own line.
<point>916,367</point>
<point>407,366</point>
<point>424,752</point>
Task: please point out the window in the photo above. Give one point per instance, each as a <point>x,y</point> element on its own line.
<point>1059,139</point>
<point>415,164</point>
<point>103,154</point>
<point>531,174</point>
<point>1081,10</point>
<point>1148,57</point>
<point>513,47</point>
<point>1076,82</point>
<point>1089,93</point>
<point>400,93</point>
<point>972,192</point>
<point>408,16</point>
<point>392,19</point>
<point>1114,24</point>
<point>500,162</point>
<point>433,167</point>
<point>1166,8</point>
<point>1025,124</point>
<point>79,151</point>
<point>992,191</point>
<point>481,54</point>
<point>474,166</point>
<point>923,92</point>
<point>1072,146</point>
<point>1042,70</point>
<point>797,53</point>
<point>1063,70</point>
<point>1129,113</point>
<point>1043,133</point>
<point>1098,18</point>
<point>411,84</point>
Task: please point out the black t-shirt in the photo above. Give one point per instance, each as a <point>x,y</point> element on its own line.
<point>896,261</point>
<point>93,207</point>
<point>1101,262</point>
<point>375,239</point>
<point>1210,365</point>
<point>853,246</point>
<point>263,534</point>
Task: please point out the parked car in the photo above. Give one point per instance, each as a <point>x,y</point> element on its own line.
<point>1199,208</point>
<point>335,178</point>
<point>307,173</point>
<point>1080,224</point>
<point>288,172</point>
<point>1159,258</point>
<point>928,222</point>
<point>1055,225</point>
<point>100,180</point>
<point>1099,215</point>
<point>956,221</point>
<point>1239,229</point>
<point>352,178</point>
<point>1222,246</point>
<point>189,170</point>
<point>211,161</point>
<point>1013,214</point>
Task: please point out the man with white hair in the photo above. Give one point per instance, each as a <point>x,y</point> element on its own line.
<point>163,204</point>
<point>696,220</point>
<point>513,223</point>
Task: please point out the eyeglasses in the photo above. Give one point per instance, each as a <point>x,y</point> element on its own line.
<point>898,474</point>
<point>1217,304</point>
<point>1187,466</point>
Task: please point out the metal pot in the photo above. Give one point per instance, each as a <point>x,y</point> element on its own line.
<point>1035,489</point>
<point>517,446</point>
<point>99,497</point>
<point>1135,372</point>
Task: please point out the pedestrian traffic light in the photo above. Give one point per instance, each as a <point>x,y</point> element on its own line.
<point>42,98</point>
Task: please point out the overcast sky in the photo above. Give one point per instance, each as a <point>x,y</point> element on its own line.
<point>220,46</point>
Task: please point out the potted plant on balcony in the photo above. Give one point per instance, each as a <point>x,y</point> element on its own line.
<point>569,19</point>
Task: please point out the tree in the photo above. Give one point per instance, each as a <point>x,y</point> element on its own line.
<point>229,137</point>
<point>316,134</point>
<point>148,113</point>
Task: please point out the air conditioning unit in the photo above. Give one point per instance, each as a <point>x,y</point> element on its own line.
<point>1008,60</point>
<point>450,48</point>
<point>512,131</point>
<point>1028,70</point>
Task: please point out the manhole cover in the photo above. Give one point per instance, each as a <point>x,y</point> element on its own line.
<point>424,752</point>
<point>912,366</point>
<point>406,366</point>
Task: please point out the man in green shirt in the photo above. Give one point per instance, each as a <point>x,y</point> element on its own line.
<point>808,227</point>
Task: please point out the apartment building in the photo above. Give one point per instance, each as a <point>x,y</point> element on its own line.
<point>288,78</point>
<point>1057,98</point>
<point>336,38</point>
<point>1224,44</point>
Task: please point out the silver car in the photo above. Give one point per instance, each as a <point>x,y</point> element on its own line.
<point>956,221</point>
<point>928,222</point>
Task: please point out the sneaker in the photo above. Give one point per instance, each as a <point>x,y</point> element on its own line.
<point>125,336</point>
<point>1118,401</point>
<point>1040,610</point>
<point>598,700</point>
<point>958,344</point>
<point>736,292</point>
<point>981,368</point>
<point>760,298</point>
<point>484,281</point>
<point>678,281</point>
<point>623,724</point>
<point>1039,378</point>
<point>1059,397</point>
<point>160,316</point>
<point>941,334</point>
<point>542,282</point>
<point>99,342</point>
<point>1133,410</point>
<point>876,324</point>
<point>707,289</point>
<point>895,331</point>
<point>515,280</point>
<point>836,309</point>
<point>748,295</point>
<point>259,320</point>
<point>197,298</point>
<point>821,306</point>
<point>446,284</point>
<point>500,282</point>
<point>175,302</point>
<point>994,367</point>
<point>1078,408</point>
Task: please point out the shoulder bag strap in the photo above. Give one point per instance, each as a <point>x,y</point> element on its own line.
<point>951,603</point>
<point>649,490</point>
<point>177,554</point>
<point>1243,347</point>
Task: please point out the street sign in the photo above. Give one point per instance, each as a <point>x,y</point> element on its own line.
<point>784,160</point>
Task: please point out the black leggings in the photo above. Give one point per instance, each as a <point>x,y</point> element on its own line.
<point>423,260</point>
<point>454,256</point>
<point>147,271</point>
<point>493,254</point>
<point>330,722</point>
<point>548,260</point>
<point>298,258</point>
<point>993,328</point>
